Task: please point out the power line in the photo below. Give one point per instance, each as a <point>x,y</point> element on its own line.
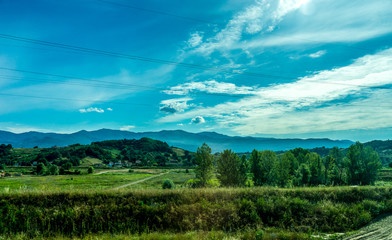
<point>152,60</point>
<point>74,99</point>
<point>113,85</point>
<point>215,23</point>
<point>137,58</point>
<point>80,78</point>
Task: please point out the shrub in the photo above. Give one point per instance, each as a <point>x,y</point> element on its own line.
<point>54,170</point>
<point>131,170</point>
<point>90,170</point>
<point>168,184</point>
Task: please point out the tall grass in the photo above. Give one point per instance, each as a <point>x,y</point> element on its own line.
<point>301,210</point>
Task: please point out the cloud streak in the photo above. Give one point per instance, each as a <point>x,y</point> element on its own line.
<point>211,86</point>
<point>312,103</point>
<point>91,109</point>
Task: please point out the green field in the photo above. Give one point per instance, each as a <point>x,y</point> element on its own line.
<point>118,204</point>
<point>101,180</point>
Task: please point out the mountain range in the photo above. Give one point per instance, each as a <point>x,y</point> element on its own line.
<point>178,138</point>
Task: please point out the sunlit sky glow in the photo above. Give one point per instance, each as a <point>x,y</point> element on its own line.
<point>288,68</point>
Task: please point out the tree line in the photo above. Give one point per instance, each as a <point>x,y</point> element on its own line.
<point>358,165</point>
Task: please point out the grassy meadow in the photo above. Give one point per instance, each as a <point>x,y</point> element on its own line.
<point>86,206</point>
<point>102,179</point>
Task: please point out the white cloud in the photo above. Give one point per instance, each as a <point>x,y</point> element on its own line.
<point>196,39</point>
<point>262,15</point>
<point>198,120</point>
<point>306,105</point>
<point>318,54</point>
<point>127,127</point>
<point>109,109</point>
<point>175,105</point>
<point>211,86</point>
<point>91,109</point>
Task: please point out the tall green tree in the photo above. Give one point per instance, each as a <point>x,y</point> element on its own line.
<point>228,169</point>
<point>329,170</point>
<point>363,164</point>
<point>244,169</point>
<point>302,176</point>
<point>205,164</point>
<point>268,160</point>
<point>255,167</point>
<point>282,169</point>
<point>316,168</point>
<point>339,173</point>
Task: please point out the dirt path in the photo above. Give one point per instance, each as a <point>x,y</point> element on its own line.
<point>140,181</point>
<point>377,230</point>
<point>110,171</point>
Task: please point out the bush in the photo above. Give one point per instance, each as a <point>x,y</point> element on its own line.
<point>54,170</point>
<point>168,184</point>
<point>90,170</point>
<point>131,170</point>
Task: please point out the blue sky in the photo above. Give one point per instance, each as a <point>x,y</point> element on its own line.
<point>288,68</point>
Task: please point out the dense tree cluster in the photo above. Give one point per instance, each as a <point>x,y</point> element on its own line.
<point>358,165</point>
<point>145,152</point>
<point>300,167</point>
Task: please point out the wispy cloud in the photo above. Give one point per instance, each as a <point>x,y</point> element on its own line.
<point>318,54</point>
<point>289,108</point>
<point>91,109</point>
<point>261,16</point>
<point>127,127</point>
<point>195,40</point>
<point>210,86</point>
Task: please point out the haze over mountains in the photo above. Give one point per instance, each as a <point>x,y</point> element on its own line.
<point>177,138</point>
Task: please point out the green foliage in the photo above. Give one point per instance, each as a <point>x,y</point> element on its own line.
<point>67,166</point>
<point>41,169</point>
<point>267,163</point>
<point>255,167</point>
<point>228,169</point>
<point>90,170</point>
<point>363,164</point>
<point>205,164</point>
<point>316,169</point>
<point>53,170</point>
<point>244,169</point>
<point>303,175</point>
<point>168,184</point>
<point>82,213</point>
<point>2,166</point>
<point>283,167</point>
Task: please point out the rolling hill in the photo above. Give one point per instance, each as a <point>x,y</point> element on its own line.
<point>177,138</point>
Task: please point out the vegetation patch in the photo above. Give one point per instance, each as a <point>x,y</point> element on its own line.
<point>302,210</point>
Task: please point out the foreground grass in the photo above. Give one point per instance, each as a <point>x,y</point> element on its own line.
<point>194,235</point>
<point>294,212</point>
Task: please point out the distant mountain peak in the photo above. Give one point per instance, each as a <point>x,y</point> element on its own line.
<point>178,138</point>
